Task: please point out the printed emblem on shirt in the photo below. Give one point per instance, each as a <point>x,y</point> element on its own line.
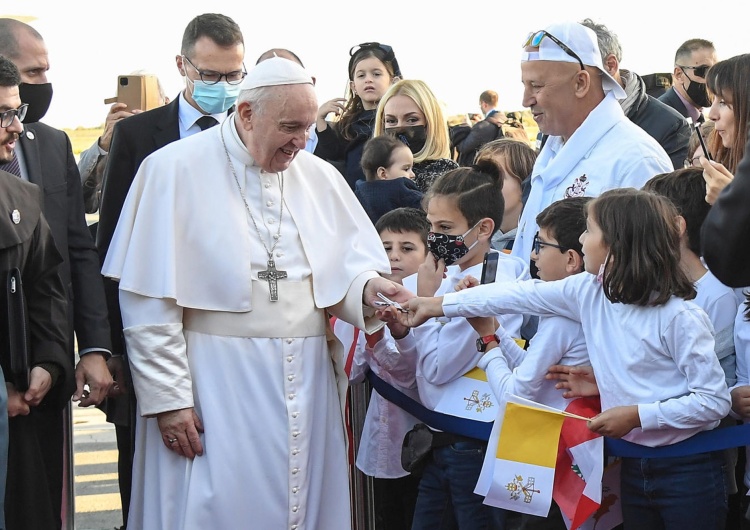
<point>578,188</point>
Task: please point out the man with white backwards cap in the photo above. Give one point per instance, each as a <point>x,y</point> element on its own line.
<point>232,247</point>
<point>592,146</point>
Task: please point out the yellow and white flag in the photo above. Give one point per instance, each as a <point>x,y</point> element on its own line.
<point>470,397</point>
<point>523,471</point>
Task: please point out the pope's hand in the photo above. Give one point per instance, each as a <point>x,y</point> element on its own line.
<point>180,431</point>
<point>392,290</point>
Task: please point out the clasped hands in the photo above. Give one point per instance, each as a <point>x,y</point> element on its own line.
<point>20,403</point>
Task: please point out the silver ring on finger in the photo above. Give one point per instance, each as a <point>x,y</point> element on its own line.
<point>171,440</point>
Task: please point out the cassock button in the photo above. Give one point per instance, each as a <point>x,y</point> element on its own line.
<point>295,471</point>
<point>291,396</point>
<point>271,220</point>
<point>295,414</point>
<point>295,508</point>
<point>295,489</point>
<point>294,527</point>
<point>289,341</point>
<point>295,452</point>
<point>276,236</point>
<point>269,203</point>
<point>266,185</point>
<point>289,359</point>
<point>295,434</point>
<point>15,216</point>
<point>279,254</point>
<point>290,378</point>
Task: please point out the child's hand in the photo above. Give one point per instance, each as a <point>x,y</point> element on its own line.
<point>466,283</point>
<point>430,275</point>
<point>741,401</point>
<point>418,311</point>
<point>616,422</point>
<point>576,381</point>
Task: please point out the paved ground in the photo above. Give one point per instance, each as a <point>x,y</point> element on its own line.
<point>97,497</point>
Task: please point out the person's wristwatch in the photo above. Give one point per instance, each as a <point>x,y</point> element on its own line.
<point>483,342</point>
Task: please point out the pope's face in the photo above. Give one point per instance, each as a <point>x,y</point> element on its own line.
<point>277,129</point>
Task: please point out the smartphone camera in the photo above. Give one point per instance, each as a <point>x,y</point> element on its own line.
<point>123,81</point>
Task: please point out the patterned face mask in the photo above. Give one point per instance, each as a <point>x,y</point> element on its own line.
<point>449,248</point>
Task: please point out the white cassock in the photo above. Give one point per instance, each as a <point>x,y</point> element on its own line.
<point>265,377</point>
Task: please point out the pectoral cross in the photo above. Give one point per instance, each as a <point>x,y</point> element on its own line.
<point>272,276</point>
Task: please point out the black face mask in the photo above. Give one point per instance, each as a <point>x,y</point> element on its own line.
<point>698,92</point>
<point>38,98</point>
<point>414,136</point>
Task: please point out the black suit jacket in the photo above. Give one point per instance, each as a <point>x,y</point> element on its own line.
<point>671,98</point>
<point>133,139</point>
<point>51,165</point>
<point>725,235</point>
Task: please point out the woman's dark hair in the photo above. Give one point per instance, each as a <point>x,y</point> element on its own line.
<point>476,190</point>
<point>641,231</point>
<point>730,79</point>
<point>353,105</point>
<point>378,152</point>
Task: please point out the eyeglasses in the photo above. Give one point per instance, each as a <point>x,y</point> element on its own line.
<point>535,39</point>
<point>211,78</point>
<point>7,117</point>
<point>538,244</point>
<point>693,162</point>
<point>700,71</point>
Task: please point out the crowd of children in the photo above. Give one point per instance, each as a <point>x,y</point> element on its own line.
<point>627,311</point>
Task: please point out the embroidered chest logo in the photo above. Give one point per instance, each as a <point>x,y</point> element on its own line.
<point>481,403</point>
<point>516,487</point>
<point>578,188</point>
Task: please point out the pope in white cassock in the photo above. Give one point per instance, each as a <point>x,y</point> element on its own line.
<point>232,246</point>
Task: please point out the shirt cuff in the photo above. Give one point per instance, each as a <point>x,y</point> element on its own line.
<point>105,353</point>
<point>649,415</point>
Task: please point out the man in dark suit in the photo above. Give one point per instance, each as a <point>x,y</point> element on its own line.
<point>689,94</point>
<point>662,123</point>
<point>483,131</point>
<point>211,62</point>
<point>44,157</point>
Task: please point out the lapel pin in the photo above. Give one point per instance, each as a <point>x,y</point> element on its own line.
<point>15,216</point>
<point>30,135</point>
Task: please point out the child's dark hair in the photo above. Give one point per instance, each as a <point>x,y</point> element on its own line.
<point>476,189</point>
<point>404,220</point>
<point>353,106</point>
<point>378,152</point>
<point>686,188</point>
<point>565,220</point>
<point>640,228</point>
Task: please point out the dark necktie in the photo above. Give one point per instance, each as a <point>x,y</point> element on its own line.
<point>206,122</point>
<point>12,167</point>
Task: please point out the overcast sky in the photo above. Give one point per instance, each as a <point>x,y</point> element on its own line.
<point>459,52</point>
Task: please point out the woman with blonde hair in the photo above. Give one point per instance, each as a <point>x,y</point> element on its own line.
<point>410,111</point>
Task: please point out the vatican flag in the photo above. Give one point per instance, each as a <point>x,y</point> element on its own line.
<point>523,473</point>
<point>470,397</point>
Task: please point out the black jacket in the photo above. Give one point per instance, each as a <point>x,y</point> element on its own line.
<point>665,125</point>
<point>480,133</point>
<point>32,498</point>
<point>379,197</point>
<point>671,99</point>
<point>347,154</point>
<point>725,235</point>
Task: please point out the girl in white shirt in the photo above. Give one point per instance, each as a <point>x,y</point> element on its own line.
<point>464,208</point>
<point>652,353</point>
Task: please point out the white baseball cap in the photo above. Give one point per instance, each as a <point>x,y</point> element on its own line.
<point>576,43</point>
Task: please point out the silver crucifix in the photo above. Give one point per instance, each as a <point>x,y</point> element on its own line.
<point>271,275</point>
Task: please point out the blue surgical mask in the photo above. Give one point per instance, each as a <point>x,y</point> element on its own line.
<point>215,98</point>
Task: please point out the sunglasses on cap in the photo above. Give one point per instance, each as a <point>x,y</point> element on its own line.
<point>535,38</point>
<point>700,71</point>
<point>389,55</point>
